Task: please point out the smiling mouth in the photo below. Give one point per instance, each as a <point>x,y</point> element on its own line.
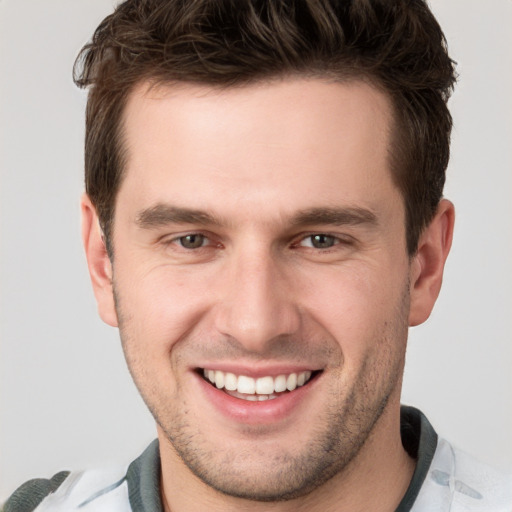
<point>256,389</point>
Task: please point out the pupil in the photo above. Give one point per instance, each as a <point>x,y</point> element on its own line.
<point>192,241</point>
<point>323,241</point>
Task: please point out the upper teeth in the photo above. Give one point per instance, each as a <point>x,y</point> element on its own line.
<point>260,386</point>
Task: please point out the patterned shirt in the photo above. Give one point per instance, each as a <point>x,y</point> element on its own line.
<point>445,480</point>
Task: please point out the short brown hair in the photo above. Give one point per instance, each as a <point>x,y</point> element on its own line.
<point>395,44</point>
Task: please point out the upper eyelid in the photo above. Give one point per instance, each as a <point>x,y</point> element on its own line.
<point>176,236</point>
<point>294,240</point>
<point>172,244</point>
<point>344,237</point>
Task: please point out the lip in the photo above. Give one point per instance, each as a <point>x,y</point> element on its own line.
<point>255,413</point>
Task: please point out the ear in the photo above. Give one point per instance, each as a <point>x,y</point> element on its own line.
<point>100,267</point>
<point>428,263</point>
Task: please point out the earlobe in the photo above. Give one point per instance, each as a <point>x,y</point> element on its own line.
<point>428,263</point>
<point>98,262</point>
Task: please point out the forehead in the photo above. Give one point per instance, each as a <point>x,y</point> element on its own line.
<point>286,142</point>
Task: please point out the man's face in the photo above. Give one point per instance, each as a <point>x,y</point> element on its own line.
<point>259,240</point>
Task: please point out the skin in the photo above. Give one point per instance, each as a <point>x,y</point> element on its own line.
<point>272,164</point>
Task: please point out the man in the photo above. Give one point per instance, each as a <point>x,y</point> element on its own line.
<point>263,221</point>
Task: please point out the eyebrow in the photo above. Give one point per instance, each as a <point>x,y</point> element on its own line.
<point>335,216</point>
<point>163,214</point>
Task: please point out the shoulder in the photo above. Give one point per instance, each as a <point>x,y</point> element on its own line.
<point>29,495</point>
<point>119,488</point>
<point>458,482</point>
<point>98,489</point>
<point>484,484</point>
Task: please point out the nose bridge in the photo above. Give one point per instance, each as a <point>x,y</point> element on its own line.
<point>257,305</point>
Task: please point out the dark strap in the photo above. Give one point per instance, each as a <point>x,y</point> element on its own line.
<point>29,495</point>
<point>420,441</point>
<point>143,478</point>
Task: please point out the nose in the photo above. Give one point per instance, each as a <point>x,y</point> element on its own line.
<point>257,304</point>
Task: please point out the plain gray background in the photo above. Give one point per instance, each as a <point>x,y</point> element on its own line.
<point>66,399</point>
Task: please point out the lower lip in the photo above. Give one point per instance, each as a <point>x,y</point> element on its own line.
<point>256,413</point>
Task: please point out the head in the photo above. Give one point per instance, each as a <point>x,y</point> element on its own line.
<point>396,46</point>
<point>268,179</point>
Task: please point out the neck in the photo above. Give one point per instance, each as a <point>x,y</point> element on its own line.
<point>376,479</point>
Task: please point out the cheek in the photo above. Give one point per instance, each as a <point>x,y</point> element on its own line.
<point>157,307</point>
<point>358,305</point>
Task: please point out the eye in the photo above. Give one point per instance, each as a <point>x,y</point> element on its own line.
<point>192,241</point>
<point>319,241</point>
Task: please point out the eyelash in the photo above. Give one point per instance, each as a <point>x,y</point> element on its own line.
<point>178,240</point>
<point>336,240</point>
